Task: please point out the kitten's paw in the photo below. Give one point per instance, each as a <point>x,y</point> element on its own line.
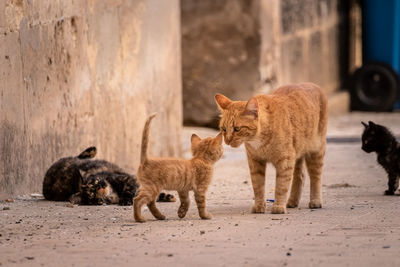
<point>258,208</point>
<point>315,204</point>
<point>292,204</point>
<point>389,193</point>
<point>140,219</point>
<point>160,217</point>
<point>206,216</point>
<point>278,209</point>
<point>182,212</point>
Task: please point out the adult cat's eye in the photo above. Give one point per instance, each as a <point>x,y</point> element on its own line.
<point>224,129</point>
<point>237,129</point>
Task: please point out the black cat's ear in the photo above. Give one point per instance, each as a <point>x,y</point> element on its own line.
<point>88,153</point>
<point>365,125</point>
<point>371,123</point>
<point>251,108</point>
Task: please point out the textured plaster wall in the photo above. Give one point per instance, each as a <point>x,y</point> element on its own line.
<point>80,73</point>
<point>247,47</point>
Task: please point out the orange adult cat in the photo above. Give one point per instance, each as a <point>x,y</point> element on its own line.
<point>182,175</point>
<point>286,128</point>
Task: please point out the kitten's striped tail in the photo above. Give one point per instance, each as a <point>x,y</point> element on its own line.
<point>145,139</point>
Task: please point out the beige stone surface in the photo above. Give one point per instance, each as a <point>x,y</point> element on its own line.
<point>79,73</point>
<point>357,226</point>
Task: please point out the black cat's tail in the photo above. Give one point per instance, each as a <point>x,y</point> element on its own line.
<point>88,153</point>
<point>145,139</point>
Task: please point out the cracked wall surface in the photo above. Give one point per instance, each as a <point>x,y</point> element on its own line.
<point>79,73</point>
<point>247,47</point>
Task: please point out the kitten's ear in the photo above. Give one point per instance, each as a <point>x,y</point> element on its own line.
<point>222,101</point>
<point>365,125</point>
<point>218,138</point>
<point>194,139</point>
<point>251,107</point>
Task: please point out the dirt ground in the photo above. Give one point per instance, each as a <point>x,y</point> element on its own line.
<point>357,226</point>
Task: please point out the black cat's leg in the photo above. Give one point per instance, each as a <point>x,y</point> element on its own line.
<point>126,199</point>
<point>393,184</point>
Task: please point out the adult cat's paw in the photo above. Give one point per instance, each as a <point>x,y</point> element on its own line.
<point>278,209</point>
<point>258,208</point>
<point>292,204</point>
<point>389,193</point>
<point>315,204</point>
<point>206,215</point>
<point>160,217</point>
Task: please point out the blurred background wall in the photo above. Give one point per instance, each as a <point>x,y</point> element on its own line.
<point>79,73</point>
<point>88,72</point>
<point>245,47</point>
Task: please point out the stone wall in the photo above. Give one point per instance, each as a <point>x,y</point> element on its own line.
<point>246,47</point>
<point>79,73</point>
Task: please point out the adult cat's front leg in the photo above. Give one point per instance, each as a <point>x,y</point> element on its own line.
<point>257,173</point>
<point>393,184</point>
<point>284,174</point>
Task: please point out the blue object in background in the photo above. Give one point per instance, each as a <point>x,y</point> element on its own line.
<point>381,38</point>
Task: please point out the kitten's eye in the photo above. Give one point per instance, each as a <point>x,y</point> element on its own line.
<point>237,129</point>
<point>224,129</point>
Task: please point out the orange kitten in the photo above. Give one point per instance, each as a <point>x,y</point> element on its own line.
<point>156,174</point>
<point>286,128</point>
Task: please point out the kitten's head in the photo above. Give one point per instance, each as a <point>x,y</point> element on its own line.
<point>208,148</point>
<point>239,119</point>
<point>375,137</point>
<point>94,190</point>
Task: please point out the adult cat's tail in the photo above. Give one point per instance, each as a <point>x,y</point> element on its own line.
<point>145,139</point>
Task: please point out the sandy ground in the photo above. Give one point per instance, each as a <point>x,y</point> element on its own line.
<point>357,226</point>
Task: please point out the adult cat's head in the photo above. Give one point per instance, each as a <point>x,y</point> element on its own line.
<point>239,120</point>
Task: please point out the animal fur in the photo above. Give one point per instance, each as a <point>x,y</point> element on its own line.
<point>286,128</point>
<point>182,175</point>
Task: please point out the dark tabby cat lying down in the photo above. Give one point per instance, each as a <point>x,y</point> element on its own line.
<point>83,180</point>
<point>377,138</point>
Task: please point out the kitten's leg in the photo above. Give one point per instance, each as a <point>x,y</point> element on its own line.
<point>315,163</point>
<point>297,184</point>
<point>142,198</point>
<point>257,173</point>
<point>393,184</point>
<point>153,209</point>
<point>185,202</point>
<point>284,174</point>
<point>200,197</point>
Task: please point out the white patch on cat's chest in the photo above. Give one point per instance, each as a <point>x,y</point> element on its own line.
<point>255,144</point>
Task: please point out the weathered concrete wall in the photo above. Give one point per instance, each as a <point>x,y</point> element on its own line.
<point>80,73</point>
<point>242,48</point>
<point>220,53</point>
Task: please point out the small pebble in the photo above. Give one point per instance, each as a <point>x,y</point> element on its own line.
<point>288,254</point>
<point>6,208</point>
<point>170,255</point>
<point>386,247</point>
<point>9,200</point>
<point>202,232</point>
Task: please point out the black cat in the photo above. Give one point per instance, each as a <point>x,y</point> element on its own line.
<point>377,138</point>
<point>82,180</point>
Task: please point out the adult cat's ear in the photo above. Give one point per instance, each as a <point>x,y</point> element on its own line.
<point>251,107</point>
<point>222,101</point>
<point>365,125</point>
<point>194,139</point>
